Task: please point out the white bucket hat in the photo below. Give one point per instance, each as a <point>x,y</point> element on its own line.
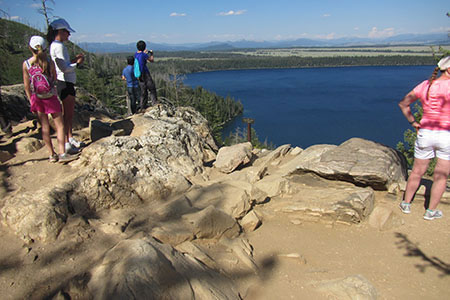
<point>444,63</point>
<point>38,42</point>
<point>61,24</point>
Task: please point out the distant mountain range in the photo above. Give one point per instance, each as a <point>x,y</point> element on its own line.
<point>404,39</point>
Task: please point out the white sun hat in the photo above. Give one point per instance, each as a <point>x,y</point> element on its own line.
<point>444,63</point>
<point>38,42</point>
<point>61,24</point>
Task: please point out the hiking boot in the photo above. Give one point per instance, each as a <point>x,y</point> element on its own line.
<point>65,158</point>
<point>405,207</point>
<point>53,158</point>
<point>432,214</point>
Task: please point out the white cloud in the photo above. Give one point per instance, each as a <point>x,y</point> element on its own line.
<point>440,29</point>
<point>329,36</point>
<point>326,15</point>
<point>14,18</point>
<point>109,35</point>
<point>227,37</point>
<point>174,14</point>
<point>232,13</point>
<point>356,28</point>
<point>375,33</point>
<point>35,5</point>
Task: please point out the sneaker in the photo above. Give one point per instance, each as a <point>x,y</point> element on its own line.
<point>71,149</point>
<point>432,214</point>
<point>405,207</point>
<point>65,157</point>
<point>74,143</point>
<point>53,158</point>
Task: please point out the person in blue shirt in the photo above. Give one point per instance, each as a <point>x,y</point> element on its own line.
<point>134,92</point>
<point>146,82</point>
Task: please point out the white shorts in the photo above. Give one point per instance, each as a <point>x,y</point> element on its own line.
<point>431,143</point>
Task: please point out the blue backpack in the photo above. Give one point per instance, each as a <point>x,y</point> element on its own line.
<point>137,68</point>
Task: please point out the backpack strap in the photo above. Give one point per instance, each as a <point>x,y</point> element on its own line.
<point>28,64</point>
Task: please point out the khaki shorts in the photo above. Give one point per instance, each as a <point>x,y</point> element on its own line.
<point>432,143</point>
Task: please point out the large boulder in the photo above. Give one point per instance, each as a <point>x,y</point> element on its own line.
<point>119,172</point>
<point>35,216</point>
<point>146,269</point>
<point>359,161</point>
<point>230,158</point>
<point>314,199</point>
<point>156,161</point>
<point>233,200</point>
<point>212,223</point>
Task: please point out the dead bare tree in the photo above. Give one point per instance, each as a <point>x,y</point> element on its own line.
<point>3,13</point>
<point>45,10</point>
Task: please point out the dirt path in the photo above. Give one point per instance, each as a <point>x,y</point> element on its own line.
<point>408,262</point>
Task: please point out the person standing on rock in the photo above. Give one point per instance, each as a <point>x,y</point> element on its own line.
<point>146,82</point>
<point>59,32</point>
<point>433,137</point>
<point>133,90</point>
<point>37,69</point>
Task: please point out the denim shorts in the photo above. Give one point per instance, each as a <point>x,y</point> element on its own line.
<point>431,143</point>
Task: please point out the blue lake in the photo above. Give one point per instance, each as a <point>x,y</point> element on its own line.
<point>304,107</point>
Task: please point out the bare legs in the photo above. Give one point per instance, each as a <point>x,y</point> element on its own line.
<point>440,176</point>
<point>439,182</point>
<point>69,107</point>
<point>57,117</point>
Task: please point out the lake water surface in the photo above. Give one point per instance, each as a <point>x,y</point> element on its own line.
<point>304,107</point>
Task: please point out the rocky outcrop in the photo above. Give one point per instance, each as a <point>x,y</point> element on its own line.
<point>316,199</point>
<point>230,158</point>
<point>120,172</point>
<point>146,269</point>
<point>359,161</point>
<point>178,225</point>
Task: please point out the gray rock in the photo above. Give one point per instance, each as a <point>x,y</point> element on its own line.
<point>100,129</point>
<point>357,160</point>
<point>5,155</point>
<point>315,199</point>
<point>211,223</point>
<point>383,218</point>
<point>145,269</point>
<point>230,158</point>
<point>126,171</point>
<point>250,222</point>
<point>173,233</point>
<point>355,287</point>
<point>118,172</point>
<point>28,145</point>
<point>35,216</point>
<point>231,199</point>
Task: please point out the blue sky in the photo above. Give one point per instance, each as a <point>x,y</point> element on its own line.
<point>183,21</point>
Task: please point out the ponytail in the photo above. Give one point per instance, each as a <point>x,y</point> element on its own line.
<point>41,60</point>
<point>51,34</point>
<point>432,79</point>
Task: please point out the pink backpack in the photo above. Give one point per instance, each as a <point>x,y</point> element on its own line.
<point>40,84</point>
